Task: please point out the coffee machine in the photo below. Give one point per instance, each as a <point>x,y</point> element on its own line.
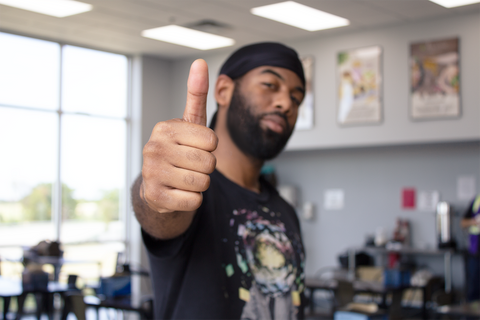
<point>444,222</point>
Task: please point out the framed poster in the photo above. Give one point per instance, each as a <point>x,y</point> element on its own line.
<point>434,79</point>
<point>306,111</point>
<point>359,83</point>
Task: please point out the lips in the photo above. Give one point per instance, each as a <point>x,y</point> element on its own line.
<point>274,122</point>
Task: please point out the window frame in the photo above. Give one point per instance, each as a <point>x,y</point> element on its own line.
<point>128,143</point>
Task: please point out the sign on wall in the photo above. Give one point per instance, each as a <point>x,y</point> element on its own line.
<point>359,84</point>
<point>306,111</point>
<point>434,76</point>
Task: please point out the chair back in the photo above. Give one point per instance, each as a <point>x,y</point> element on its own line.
<point>344,293</point>
<point>72,281</point>
<point>35,281</point>
<point>74,303</point>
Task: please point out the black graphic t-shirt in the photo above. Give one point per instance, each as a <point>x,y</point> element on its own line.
<point>242,258</point>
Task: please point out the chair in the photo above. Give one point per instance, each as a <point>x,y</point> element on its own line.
<point>72,282</point>
<point>344,294</point>
<point>146,304</point>
<point>394,311</point>
<point>433,286</point>
<point>35,283</point>
<point>74,303</point>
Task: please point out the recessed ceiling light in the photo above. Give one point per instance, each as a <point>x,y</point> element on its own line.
<point>56,8</point>
<point>454,3</point>
<point>300,16</point>
<point>188,37</point>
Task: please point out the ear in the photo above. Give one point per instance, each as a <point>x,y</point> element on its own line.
<point>224,90</point>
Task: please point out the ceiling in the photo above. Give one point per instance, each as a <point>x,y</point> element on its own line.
<point>115,25</point>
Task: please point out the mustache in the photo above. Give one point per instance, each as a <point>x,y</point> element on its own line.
<point>278,113</point>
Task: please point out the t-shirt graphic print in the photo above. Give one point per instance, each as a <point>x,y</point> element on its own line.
<point>269,263</point>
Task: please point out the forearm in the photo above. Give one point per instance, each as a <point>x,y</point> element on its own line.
<point>466,223</point>
<point>163,226</point>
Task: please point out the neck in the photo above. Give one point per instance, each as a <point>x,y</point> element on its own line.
<point>236,165</point>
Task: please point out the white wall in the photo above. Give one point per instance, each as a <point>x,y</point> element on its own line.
<point>156,93</point>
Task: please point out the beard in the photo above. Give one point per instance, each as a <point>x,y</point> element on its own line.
<point>246,132</point>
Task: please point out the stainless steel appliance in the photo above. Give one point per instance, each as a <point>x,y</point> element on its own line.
<point>444,217</point>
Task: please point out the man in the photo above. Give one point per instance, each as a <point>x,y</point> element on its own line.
<point>222,243</point>
<point>471,220</point>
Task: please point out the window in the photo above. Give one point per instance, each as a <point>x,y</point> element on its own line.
<point>63,139</point>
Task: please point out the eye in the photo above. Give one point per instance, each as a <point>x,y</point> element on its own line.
<point>269,85</point>
<point>296,101</point>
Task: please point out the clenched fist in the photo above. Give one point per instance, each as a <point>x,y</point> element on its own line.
<point>178,159</point>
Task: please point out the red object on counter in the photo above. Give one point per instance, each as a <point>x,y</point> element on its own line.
<point>393,259</point>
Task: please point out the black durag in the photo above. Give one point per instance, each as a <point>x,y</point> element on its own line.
<point>261,54</point>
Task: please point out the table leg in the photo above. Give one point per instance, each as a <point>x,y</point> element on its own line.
<point>448,271</point>
<point>41,301</point>
<point>312,306</point>
<point>424,303</point>
<point>66,307</point>
<point>383,302</point>
<point>6,306</point>
<point>20,302</point>
<point>351,264</point>
<point>56,270</point>
<point>50,299</point>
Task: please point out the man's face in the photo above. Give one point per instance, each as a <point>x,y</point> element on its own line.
<point>263,111</point>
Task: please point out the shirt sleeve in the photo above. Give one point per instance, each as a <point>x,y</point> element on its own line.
<point>165,249</point>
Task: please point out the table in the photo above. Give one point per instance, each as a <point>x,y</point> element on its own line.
<point>447,259</point>
<point>461,310</point>
<point>11,288</point>
<point>55,262</point>
<point>360,286</point>
<point>118,304</point>
<point>58,262</point>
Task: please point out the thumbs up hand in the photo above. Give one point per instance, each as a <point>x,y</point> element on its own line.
<point>178,159</point>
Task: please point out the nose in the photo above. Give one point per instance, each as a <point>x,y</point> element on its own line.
<point>283,101</point>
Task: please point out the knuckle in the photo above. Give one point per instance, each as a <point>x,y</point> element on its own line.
<point>152,194</point>
<point>149,194</point>
<point>154,169</point>
<point>147,171</point>
<point>189,179</point>
<point>150,148</point>
<point>210,163</point>
<point>145,175</point>
<point>161,127</point>
<point>154,190</point>
<point>193,155</point>
<point>204,183</point>
<point>192,202</point>
<point>165,129</point>
<point>197,181</point>
<point>162,198</point>
<point>212,139</point>
<point>197,94</point>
